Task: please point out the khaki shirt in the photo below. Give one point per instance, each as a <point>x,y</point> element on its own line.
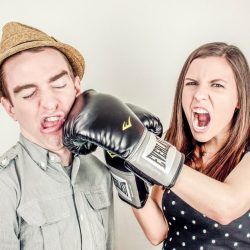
<point>41,207</point>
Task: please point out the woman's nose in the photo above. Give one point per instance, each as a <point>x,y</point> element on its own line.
<point>202,93</point>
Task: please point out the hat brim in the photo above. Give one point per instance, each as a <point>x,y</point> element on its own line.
<point>74,56</point>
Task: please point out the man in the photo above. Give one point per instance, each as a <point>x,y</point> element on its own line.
<point>50,199</point>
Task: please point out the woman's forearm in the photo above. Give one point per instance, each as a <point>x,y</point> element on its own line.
<point>152,221</point>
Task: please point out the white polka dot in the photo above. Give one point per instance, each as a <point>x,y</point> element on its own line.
<point>213,241</point>
<point>173,218</point>
<point>164,208</point>
<point>216,225</point>
<point>193,221</point>
<point>201,247</point>
<point>170,223</point>
<point>183,244</point>
<point>182,212</point>
<point>235,244</point>
<point>174,249</point>
<point>204,215</point>
<point>185,227</point>
<point>173,203</point>
<point>204,231</point>
<point>177,233</point>
<point>226,234</point>
<point>168,191</point>
<point>248,235</point>
<point>193,237</point>
<point>248,214</point>
<point>240,226</point>
<point>170,239</point>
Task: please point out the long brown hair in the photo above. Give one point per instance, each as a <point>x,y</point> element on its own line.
<point>179,133</point>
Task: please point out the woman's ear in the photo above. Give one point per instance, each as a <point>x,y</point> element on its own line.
<point>8,107</point>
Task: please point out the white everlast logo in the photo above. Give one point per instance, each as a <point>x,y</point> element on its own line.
<point>122,186</point>
<point>159,153</point>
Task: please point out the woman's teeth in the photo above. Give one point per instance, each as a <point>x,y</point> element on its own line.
<point>201,118</point>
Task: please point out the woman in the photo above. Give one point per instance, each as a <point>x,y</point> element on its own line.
<point>208,207</point>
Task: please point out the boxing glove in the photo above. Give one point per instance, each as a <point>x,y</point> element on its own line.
<point>76,144</point>
<point>107,122</point>
<point>132,189</point>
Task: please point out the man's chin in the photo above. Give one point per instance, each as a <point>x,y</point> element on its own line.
<point>52,141</point>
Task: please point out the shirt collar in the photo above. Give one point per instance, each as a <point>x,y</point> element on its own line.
<point>36,152</point>
<point>42,156</point>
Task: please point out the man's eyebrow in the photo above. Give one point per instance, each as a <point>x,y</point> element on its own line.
<point>54,78</point>
<point>18,89</point>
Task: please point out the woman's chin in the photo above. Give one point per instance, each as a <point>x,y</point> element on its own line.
<point>201,135</point>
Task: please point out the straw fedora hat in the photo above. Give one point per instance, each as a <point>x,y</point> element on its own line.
<point>17,37</point>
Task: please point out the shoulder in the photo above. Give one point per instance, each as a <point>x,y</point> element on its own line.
<point>9,178</point>
<point>8,157</point>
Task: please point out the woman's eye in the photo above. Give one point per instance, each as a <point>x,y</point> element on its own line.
<point>191,83</point>
<point>217,85</point>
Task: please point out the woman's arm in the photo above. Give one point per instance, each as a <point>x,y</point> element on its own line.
<point>222,202</point>
<point>151,218</point>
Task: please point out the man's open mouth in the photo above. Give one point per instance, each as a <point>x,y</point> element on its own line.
<point>52,123</point>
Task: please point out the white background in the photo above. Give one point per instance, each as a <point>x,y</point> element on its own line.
<point>134,49</point>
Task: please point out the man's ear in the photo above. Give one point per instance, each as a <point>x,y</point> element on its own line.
<point>77,84</point>
<point>8,107</point>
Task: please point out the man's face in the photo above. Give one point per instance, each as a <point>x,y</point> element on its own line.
<point>42,90</point>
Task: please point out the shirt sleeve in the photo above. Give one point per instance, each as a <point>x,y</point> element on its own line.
<point>9,226</point>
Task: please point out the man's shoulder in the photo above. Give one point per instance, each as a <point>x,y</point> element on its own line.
<point>9,178</point>
<point>7,158</point>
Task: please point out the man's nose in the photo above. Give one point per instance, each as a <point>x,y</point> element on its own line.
<point>48,101</point>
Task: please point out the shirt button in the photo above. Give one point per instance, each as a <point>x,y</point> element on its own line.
<point>42,164</point>
<point>52,158</point>
<point>81,217</point>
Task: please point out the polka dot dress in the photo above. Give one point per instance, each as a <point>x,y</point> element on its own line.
<point>189,229</point>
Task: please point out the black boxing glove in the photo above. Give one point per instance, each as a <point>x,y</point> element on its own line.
<point>105,121</point>
<point>132,189</point>
<point>76,144</point>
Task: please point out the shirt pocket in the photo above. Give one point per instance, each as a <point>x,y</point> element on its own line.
<point>40,219</point>
<point>98,205</point>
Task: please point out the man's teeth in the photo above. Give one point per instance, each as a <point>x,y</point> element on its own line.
<point>52,119</point>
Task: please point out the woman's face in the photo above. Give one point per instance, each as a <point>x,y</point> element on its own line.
<point>209,98</point>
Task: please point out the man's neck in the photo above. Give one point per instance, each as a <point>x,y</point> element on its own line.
<point>65,155</point>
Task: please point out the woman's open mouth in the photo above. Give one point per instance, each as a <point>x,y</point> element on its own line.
<point>200,119</point>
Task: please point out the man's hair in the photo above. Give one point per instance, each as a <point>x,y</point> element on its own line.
<point>3,83</point>
<point>179,132</point>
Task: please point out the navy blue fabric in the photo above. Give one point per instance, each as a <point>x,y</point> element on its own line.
<point>189,229</point>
